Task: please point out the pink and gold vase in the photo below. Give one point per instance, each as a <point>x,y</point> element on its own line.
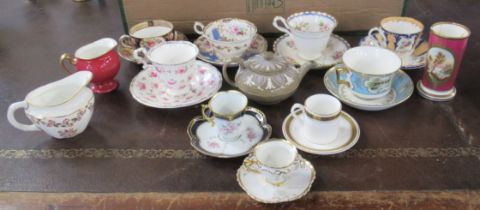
<point>447,41</point>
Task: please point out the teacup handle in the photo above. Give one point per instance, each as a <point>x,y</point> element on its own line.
<point>138,56</point>
<point>11,117</point>
<point>205,116</point>
<point>294,110</point>
<point>342,69</point>
<point>125,39</point>
<point>248,163</point>
<point>379,32</point>
<point>198,27</point>
<point>66,57</point>
<point>283,28</point>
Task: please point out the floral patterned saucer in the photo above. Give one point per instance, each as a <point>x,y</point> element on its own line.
<point>347,137</point>
<point>336,46</point>
<point>204,137</point>
<point>295,187</point>
<point>259,45</point>
<point>148,89</point>
<point>408,63</point>
<point>402,89</point>
<point>126,52</point>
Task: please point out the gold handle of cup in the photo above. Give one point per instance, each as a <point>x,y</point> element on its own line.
<point>70,59</point>
<point>205,116</point>
<point>248,165</point>
<point>338,70</point>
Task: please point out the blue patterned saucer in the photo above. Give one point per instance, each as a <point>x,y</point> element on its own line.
<point>259,45</point>
<point>402,89</point>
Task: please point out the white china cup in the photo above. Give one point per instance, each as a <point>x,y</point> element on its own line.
<point>230,37</point>
<point>274,160</point>
<point>309,30</point>
<point>174,62</point>
<point>320,114</point>
<point>368,71</point>
<point>227,110</point>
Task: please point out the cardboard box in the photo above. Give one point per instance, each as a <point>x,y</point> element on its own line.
<point>352,15</point>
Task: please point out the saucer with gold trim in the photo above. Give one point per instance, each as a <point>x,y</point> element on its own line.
<point>347,137</point>
<point>296,186</point>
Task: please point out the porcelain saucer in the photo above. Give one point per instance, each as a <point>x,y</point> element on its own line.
<point>148,89</point>
<point>346,139</point>
<point>259,45</point>
<point>204,138</point>
<point>402,89</point>
<point>408,63</point>
<point>285,46</point>
<point>298,185</point>
<point>127,52</point>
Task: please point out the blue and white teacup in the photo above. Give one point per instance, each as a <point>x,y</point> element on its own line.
<point>368,71</point>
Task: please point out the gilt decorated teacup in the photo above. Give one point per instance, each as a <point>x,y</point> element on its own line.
<point>148,34</point>
<point>174,62</point>
<point>309,30</point>
<point>368,71</point>
<point>229,37</point>
<point>225,111</point>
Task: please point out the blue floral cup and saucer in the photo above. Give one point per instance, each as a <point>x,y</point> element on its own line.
<point>402,35</point>
<point>369,79</point>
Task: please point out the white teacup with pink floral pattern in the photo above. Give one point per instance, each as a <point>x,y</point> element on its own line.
<point>230,37</point>
<point>174,61</point>
<point>225,111</point>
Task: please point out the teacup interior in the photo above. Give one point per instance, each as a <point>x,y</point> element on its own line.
<point>174,52</point>
<point>311,22</point>
<point>372,60</point>
<point>152,31</point>
<point>228,103</point>
<point>451,30</point>
<point>275,154</point>
<point>323,105</point>
<point>402,25</point>
<point>230,30</point>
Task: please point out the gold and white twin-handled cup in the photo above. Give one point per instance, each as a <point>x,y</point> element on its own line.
<point>319,118</point>
<point>225,111</point>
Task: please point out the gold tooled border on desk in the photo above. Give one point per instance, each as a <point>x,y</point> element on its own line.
<point>186,154</point>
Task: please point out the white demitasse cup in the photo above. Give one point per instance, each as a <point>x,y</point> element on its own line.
<point>320,117</point>
<point>274,160</point>
<point>227,109</point>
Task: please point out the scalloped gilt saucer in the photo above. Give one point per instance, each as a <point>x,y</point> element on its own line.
<point>408,63</point>
<point>259,45</point>
<point>295,187</point>
<point>285,46</point>
<point>147,89</point>
<point>402,89</point>
<point>204,137</point>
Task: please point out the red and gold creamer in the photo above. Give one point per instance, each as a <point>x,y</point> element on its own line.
<point>447,42</point>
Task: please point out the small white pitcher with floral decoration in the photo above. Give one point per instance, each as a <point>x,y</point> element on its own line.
<point>62,109</point>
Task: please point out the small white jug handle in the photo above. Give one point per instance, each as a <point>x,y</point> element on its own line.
<point>283,28</point>
<point>11,117</point>
<point>198,27</point>
<point>379,31</point>
<point>294,110</point>
<point>137,56</point>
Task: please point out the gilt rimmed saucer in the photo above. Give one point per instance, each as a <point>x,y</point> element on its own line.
<point>204,137</point>
<point>147,88</point>
<point>285,46</point>
<point>207,54</point>
<point>402,89</point>
<point>408,63</point>
<point>126,52</point>
<point>348,135</point>
<point>296,186</point>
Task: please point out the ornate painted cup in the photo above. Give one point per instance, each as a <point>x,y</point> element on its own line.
<point>319,119</point>
<point>230,37</point>
<point>274,160</point>
<point>148,34</point>
<point>174,62</point>
<point>400,34</point>
<point>447,42</point>
<point>310,31</point>
<point>225,112</point>
<point>368,71</point>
